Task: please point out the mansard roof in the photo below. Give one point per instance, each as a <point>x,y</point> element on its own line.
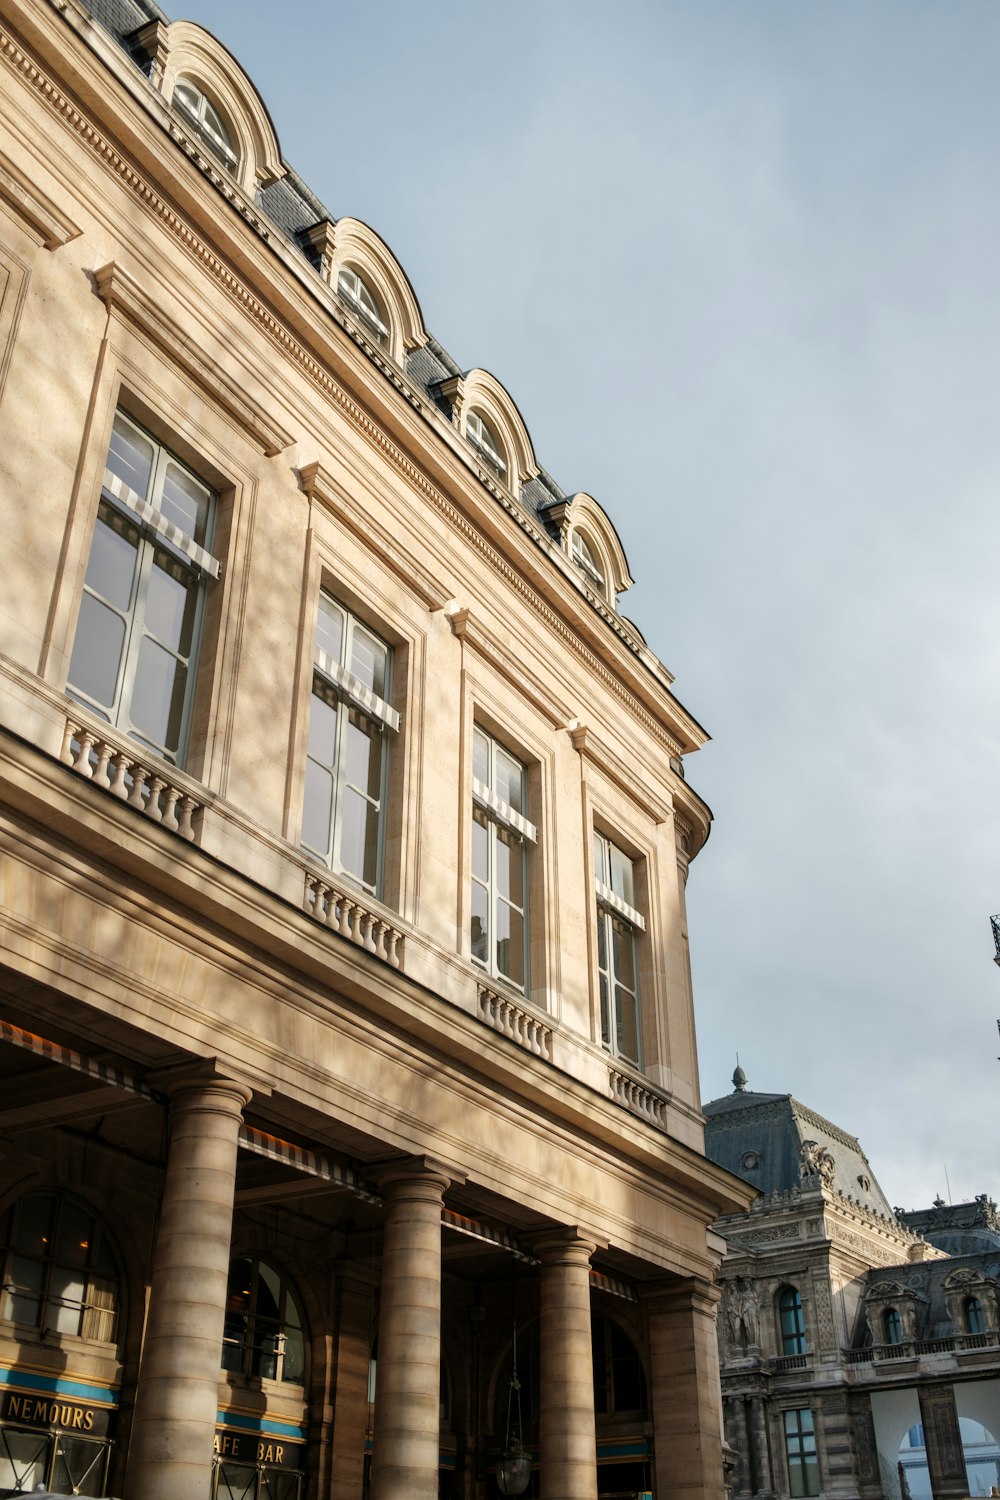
<point>296,211</point>
<point>778,1144</point>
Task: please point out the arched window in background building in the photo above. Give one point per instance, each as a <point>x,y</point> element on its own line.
<point>892,1327</point>
<point>791,1322</point>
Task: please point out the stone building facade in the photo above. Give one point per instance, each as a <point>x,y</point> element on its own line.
<point>350,1133</point>
<point>858,1345</point>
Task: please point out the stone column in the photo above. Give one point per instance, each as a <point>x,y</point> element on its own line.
<point>685,1398</point>
<point>945,1458</point>
<point>173,1430</point>
<point>761,1446</point>
<point>736,1434</point>
<point>567,1426</point>
<point>408,1379</point>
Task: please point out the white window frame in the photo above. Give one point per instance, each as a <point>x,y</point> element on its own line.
<point>219,145</point>
<point>614,913</point>
<point>355,291</point>
<point>479,435</point>
<point>493,814</point>
<point>352,695</point>
<point>156,532</point>
<point>582,554</point>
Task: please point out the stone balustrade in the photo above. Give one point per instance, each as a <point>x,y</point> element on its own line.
<point>113,764</point>
<point>636,1097</point>
<point>507,1017</point>
<point>344,912</point>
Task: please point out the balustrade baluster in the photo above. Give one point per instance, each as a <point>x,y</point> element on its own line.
<point>139,778</point>
<point>168,819</point>
<point>66,753</point>
<point>119,787</point>
<point>101,777</point>
<point>82,762</point>
<point>185,826</point>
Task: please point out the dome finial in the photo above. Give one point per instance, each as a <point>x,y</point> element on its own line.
<point>739,1078</point>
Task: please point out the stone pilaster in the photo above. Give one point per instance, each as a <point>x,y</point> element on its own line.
<point>408,1386</point>
<point>347,1404</point>
<point>173,1429</point>
<point>945,1459</point>
<point>567,1427</point>
<point>735,1415</point>
<point>684,1392</point>
<point>761,1448</point>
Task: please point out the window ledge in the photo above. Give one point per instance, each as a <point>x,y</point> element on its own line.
<point>159,791</point>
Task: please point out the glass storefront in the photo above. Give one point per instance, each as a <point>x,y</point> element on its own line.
<point>58,1461</point>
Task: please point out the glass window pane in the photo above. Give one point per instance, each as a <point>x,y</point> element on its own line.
<point>627,1039</point>
<point>293,1367</point>
<point>510,867</point>
<point>480,846</point>
<point>184,501</point>
<point>34,1224</point>
<point>621,875</point>
<point>358,837</point>
<point>65,1303</point>
<point>602,942</point>
<point>23,1303</point>
<point>79,1468</point>
<point>510,943</point>
<point>317,809</point>
<point>268,1300</point>
<point>509,777</point>
<point>481,757</point>
<point>237,1482</point>
<point>171,603</point>
<point>605,1013</point>
<point>158,695</point>
<point>130,456</point>
<point>97,651</point>
<point>480,923</point>
<point>624,953</point>
<point>330,629</point>
<point>362,754</point>
<point>72,1245</point>
<point>368,658</point>
<point>323,715</point>
<point>111,569</point>
<point>23,1460</point>
<point>600,865</point>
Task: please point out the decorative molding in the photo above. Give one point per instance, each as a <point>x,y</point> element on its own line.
<point>468,628</point>
<point>585,742</point>
<point>342,912</point>
<point>120,291</point>
<point>320,486</point>
<point>39,212</point>
<point>515,1022</point>
<point>296,351</point>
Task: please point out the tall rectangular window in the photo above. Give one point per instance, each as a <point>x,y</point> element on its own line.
<point>343,813</point>
<point>136,642</point>
<point>618,923</point>
<point>500,834</point>
<point>800,1453</point>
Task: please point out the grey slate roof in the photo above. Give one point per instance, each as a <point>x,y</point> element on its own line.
<point>774,1128</point>
<point>958,1228</point>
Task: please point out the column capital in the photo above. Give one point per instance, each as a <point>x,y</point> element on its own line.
<point>416,1172</point>
<point>205,1074</point>
<point>681,1292</point>
<point>565,1245</point>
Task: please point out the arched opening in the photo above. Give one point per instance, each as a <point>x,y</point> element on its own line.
<point>972,1312</point>
<point>791,1323</point>
<point>585,555</point>
<point>205,121</point>
<point>353,289</point>
<point>485,441</point>
<point>263,1332</point>
<point>892,1326</point>
<point>62,1285</point>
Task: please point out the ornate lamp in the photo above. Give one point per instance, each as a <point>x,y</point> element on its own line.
<point>514,1468</point>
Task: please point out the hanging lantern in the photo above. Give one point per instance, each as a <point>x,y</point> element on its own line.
<point>514,1468</point>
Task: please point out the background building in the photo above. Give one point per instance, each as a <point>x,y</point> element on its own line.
<point>858,1344</point>
<point>345,1004</point>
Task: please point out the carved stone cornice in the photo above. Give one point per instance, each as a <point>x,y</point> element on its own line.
<point>120,291</point>
<point>585,742</point>
<point>35,208</point>
<point>467,627</point>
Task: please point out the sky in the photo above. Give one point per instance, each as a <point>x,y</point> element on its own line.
<point>736,262</point>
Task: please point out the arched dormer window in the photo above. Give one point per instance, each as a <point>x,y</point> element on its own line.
<point>485,441</point>
<point>791,1324</point>
<point>972,1312</point>
<point>582,553</point>
<point>360,298</point>
<point>204,119</point>
<point>892,1326</point>
<point>60,1269</point>
<point>263,1331</point>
